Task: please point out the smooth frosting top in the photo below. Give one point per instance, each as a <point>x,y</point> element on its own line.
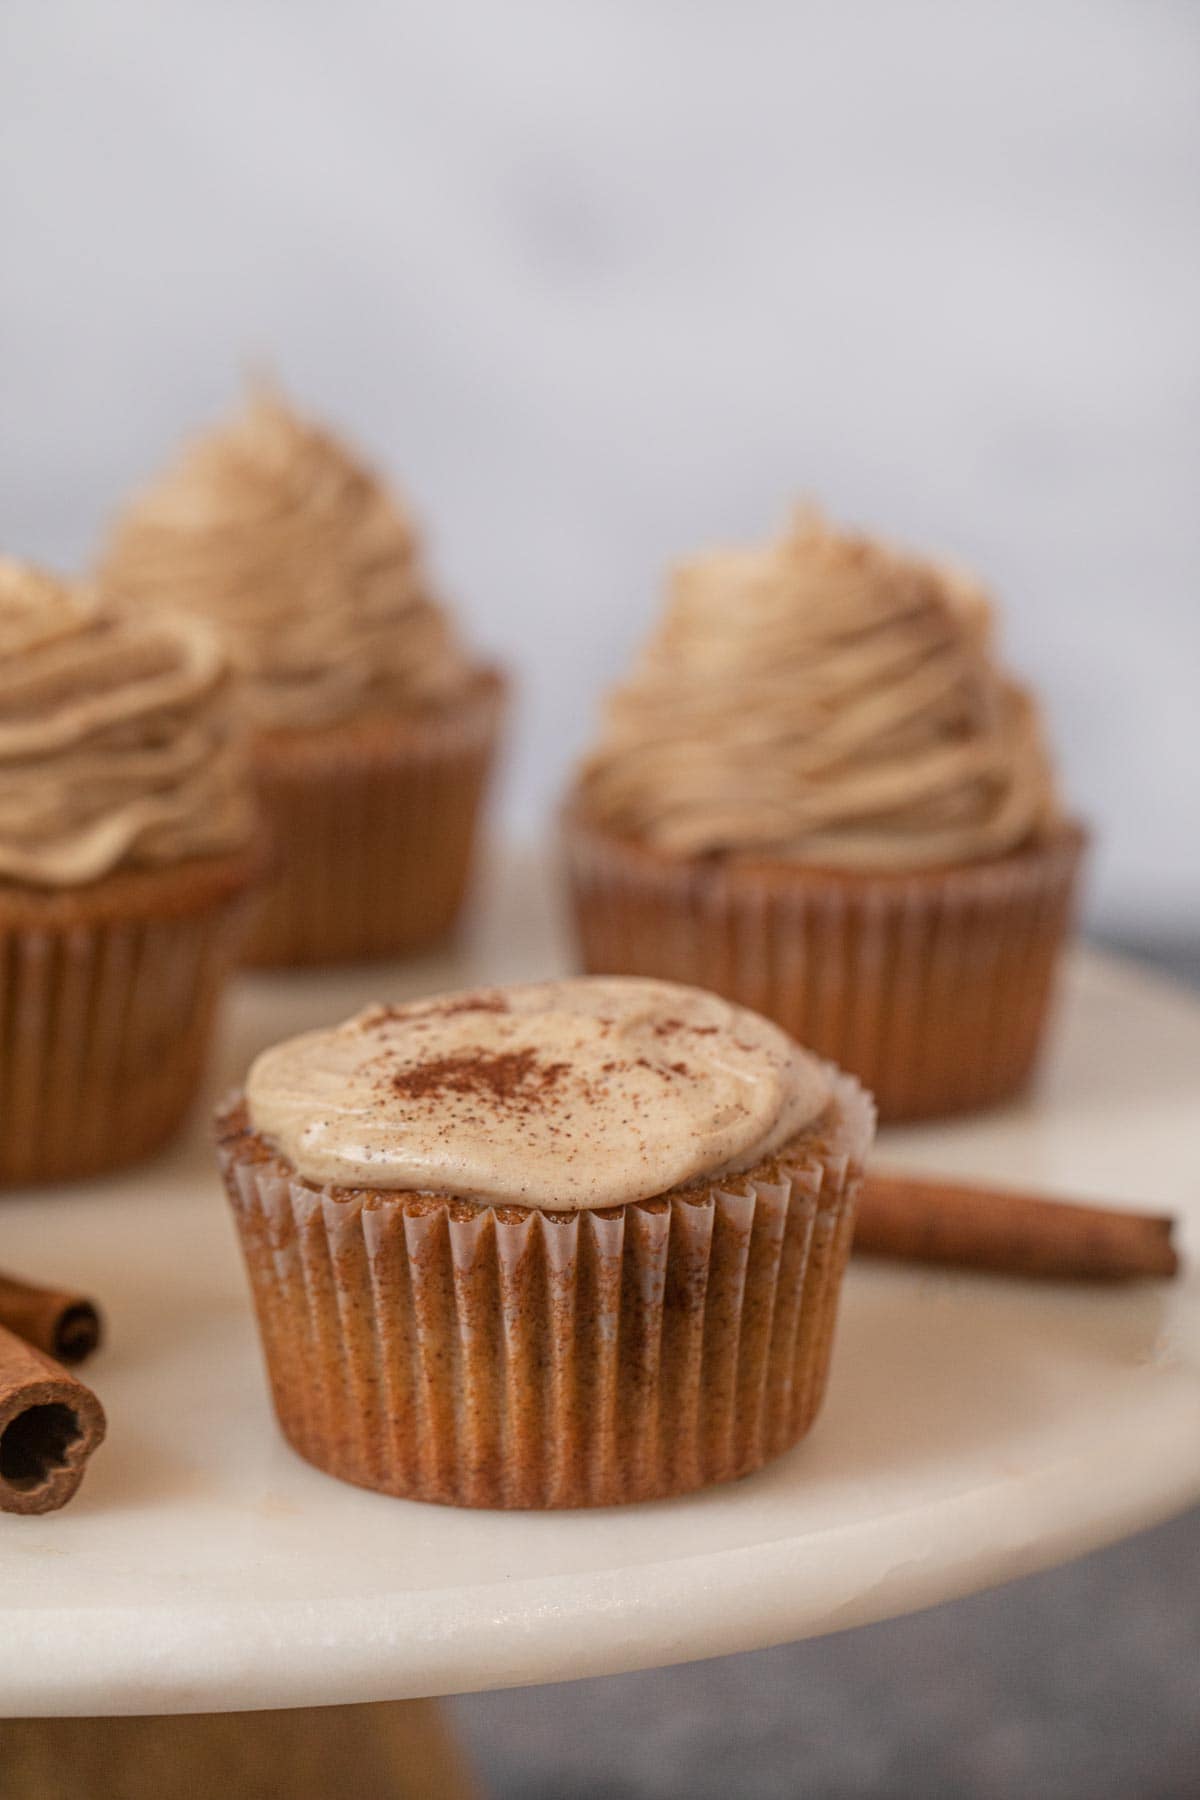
<point>827,700</point>
<point>561,1095</point>
<point>272,527</point>
<point>117,743</point>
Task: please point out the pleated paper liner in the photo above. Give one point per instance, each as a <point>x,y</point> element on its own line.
<point>503,1357</point>
<point>933,987</point>
<point>107,997</point>
<point>373,823</point>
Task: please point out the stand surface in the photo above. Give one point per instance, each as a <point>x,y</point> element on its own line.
<point>976,1428</point>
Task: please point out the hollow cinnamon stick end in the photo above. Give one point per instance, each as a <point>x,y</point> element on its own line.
<point>65,1325</point>
<point>50,1424</point>
<point>77,1332</point>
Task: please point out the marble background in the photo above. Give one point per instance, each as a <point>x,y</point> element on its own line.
<point>600,280</point>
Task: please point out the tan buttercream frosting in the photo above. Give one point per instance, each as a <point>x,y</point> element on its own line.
<point>274,529</point>
<point>562,1095</point>
<point>118,747</point>
<point>826,700</point>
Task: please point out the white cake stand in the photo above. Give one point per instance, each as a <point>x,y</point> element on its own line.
<point>976,1428</point>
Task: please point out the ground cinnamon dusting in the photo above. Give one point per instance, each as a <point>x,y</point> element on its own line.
<point>668,1028</point>
<point>469,1003</point>
<point>385,1014</point>
<point>514,1078</point>
<point>643,1062</point>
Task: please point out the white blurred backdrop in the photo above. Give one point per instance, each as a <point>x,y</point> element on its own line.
<point>600,280</point>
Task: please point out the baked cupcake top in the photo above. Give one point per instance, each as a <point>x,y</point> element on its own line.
<point>117,744</point>
<point>562,1095</point>
<point>826,700</point>
<point>271,527</point>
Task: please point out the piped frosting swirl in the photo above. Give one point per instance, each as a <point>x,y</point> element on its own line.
<point>825,700</point>
<point>562,1095</point>
<point>273,529</point>
<point>118,747</point>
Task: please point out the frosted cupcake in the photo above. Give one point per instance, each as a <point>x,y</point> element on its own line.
<point>819,795</point>
<point>373,729</point>
<point>566,1244</point>
<point>127,851</point>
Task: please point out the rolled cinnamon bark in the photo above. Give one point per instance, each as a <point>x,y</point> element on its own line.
<point>918,1220</point>
<point>50,1424</point>
<point>65,1325</point>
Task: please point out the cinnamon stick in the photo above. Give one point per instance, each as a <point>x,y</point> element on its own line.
<point>50,1424</point>
<point>65,1325</point>
<point>969,1227</point>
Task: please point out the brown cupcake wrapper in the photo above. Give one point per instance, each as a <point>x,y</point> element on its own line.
<point>107,998</point>
<point>504,1357</point>
<point>373,824</point>
<point>933,988</point>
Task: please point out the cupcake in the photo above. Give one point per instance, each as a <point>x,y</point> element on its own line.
<point>565,1244</point>
<point>127,852</point>
<point>819,795</point>
<point>373,730</point>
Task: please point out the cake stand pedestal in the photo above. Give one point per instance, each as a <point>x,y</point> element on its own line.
<point>397,1751</point>
<point>975,1429</point>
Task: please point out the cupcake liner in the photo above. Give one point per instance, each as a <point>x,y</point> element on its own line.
<point>932,987</point>
<point>373,824</point>
<point>504,1357</point>
<point>107,996</point>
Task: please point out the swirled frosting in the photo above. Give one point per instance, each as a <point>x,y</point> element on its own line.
<point>825,700</point>
<point>274,530</point>
<point>117,745</point>
<point>563,1095</point>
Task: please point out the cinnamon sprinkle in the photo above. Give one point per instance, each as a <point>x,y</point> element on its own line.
<point>643,1062</point>
<point>513,1078</point>
<point>386,1013</point>
<point>470,1003</point>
